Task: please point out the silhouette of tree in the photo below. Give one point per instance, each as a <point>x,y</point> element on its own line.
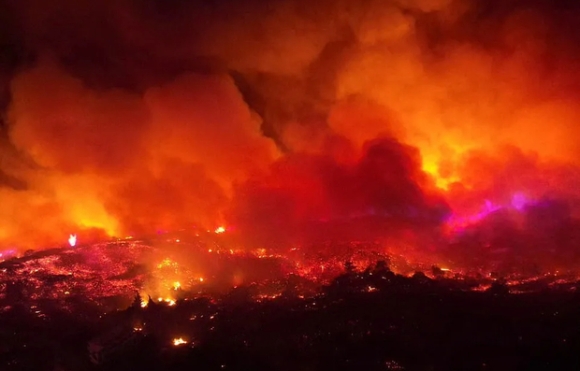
<point>349,267</point>
<point>437,272</point>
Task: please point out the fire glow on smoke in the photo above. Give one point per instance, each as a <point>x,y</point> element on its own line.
<point>443,131</point>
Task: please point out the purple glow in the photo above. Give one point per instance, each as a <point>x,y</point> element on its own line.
<point>7,254</point>
<point>461,222</point>
<point>489,208</point>
<point>519,201</point>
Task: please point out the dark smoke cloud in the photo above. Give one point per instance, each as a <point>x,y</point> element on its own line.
<point>309,198</point>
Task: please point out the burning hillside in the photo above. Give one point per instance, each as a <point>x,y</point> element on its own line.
<point>78,309</point>
<point>166,269</point>
<point>170,268</point>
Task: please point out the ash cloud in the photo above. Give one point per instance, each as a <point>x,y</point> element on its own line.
<point>129,116</point>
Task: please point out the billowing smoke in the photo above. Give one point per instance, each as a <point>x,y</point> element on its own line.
<point>293,122</point>
<point>132,163</point>
<point>308,198</point>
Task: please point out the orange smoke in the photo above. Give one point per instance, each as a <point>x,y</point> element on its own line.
<point>125,163</point>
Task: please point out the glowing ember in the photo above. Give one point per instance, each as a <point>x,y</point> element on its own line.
<point>176,285</point>
<point>220,229</point>
<point>72,240</point>
<point>179,341</point>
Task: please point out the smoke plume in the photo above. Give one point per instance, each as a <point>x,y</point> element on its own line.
<point>291,121</point>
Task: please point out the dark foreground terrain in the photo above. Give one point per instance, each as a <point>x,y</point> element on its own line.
<point>374,320</point>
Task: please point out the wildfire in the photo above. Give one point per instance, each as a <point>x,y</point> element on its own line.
<point>72,240</point>
<point>169,302</point>
<point>176,285</point>
<point>167,263</point>
<point>179,341</point>
<point>220,229</point>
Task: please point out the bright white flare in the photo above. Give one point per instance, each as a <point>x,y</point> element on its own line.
<point>72,240</point>
<point>220,230</point>
<point>179,341</point>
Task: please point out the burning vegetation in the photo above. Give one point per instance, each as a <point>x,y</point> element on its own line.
<point>371,317</point>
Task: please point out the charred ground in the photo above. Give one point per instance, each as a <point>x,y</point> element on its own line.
<point>372,319</point>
